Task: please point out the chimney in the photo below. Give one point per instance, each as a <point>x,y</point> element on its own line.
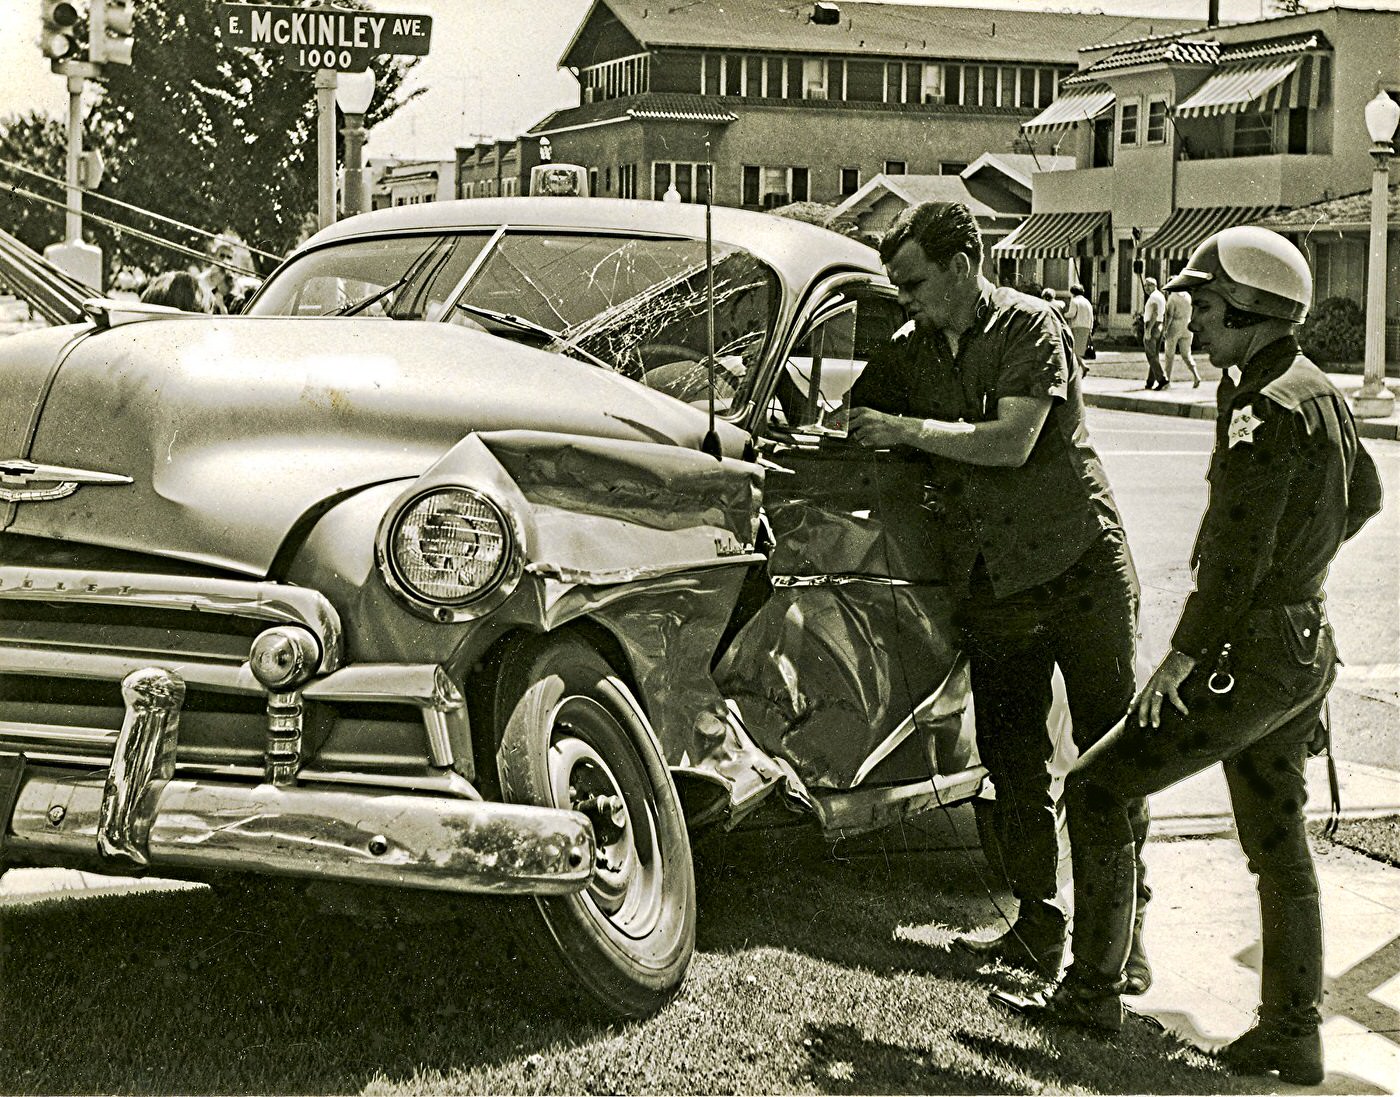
<point>825,14</point>
<point>1213,13</point>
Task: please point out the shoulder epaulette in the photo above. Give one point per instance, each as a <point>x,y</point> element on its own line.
<point>1300,382</point>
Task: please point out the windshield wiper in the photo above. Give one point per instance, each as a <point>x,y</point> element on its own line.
<point>410,272</point>
<point>556,338</point>
<point>378,295</point>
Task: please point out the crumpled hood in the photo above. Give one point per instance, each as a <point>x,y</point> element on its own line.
<point>234,429</point>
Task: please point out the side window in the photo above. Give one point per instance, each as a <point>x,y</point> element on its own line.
<point>814,385</point>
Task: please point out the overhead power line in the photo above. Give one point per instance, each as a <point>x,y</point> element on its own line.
<point>148,237</point>
<point>135,209</point>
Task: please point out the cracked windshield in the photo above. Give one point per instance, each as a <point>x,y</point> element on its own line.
<point>636,306</point>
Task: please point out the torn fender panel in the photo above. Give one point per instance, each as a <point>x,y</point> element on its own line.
<point>841,510</point>
<point>659,486</point>
<point>669,629</point>
<point>823,675</point>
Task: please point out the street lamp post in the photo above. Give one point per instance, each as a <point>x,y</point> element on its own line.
<point>1374,400</point>
<point>353,92</point>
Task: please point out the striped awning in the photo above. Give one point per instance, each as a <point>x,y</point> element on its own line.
<point>1076,106</point>
<point>1267,85</point>
<point>1052,236</point>
<point>1187,227</point>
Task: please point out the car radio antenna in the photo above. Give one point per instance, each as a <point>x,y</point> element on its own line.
<point>711,443</point>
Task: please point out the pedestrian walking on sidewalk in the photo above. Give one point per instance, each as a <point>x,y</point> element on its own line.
<point>1079,314</point>
<point>1251,662</point>
<point>1177,337</point>
<point>1154,311</point>
<point>1033,542</point>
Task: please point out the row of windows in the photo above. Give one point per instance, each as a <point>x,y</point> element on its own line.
<point>614,79</point>
<point>1130,121</point>
<point>833,78</point>
<point>1253,133</point>
<point>763,186</point>
<point>507,186</point>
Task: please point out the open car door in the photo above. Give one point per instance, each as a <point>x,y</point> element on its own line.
<point>851,670</point>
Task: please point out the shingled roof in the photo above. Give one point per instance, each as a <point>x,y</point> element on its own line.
<point>1349,211</point>
<point>897,30</point>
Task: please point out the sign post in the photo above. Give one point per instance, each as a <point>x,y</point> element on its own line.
<point>324,41</point>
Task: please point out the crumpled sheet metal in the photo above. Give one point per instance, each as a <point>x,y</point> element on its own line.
<point>859,630</point>
<point>670,629</point>
<point>610,511</point>
<point>853,515</point>
<point>822,675</point>
<point>652,542</point>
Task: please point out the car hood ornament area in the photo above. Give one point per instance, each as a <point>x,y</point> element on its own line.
<point>26,482</point>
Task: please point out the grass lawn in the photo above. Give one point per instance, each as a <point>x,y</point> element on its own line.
<point>820,969</point>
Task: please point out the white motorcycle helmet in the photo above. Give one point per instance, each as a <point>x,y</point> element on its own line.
<point>1254,270</point>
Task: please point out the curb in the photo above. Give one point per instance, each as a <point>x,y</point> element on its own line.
<point>1365,428</point>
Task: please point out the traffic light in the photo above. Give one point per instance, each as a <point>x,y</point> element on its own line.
<point>60,17</point>
<point>110,25</point>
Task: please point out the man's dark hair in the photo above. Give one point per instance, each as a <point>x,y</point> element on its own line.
<point>178,289</point>
<point>1076,288</point>
<point>942,229</point>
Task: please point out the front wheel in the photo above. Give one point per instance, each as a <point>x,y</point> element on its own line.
<point>574,736</point>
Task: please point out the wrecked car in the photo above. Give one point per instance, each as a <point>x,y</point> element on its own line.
<point>499,546</point>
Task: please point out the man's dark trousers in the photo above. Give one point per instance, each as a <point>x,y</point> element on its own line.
<point>1283,665</point>
<point>1085,622</point>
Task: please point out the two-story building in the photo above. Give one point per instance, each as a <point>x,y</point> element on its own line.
<point>795,101</point>
<point>408,182</point>
<point>1178,135</point>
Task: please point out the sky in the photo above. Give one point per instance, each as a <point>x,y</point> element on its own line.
<point>493,67</point>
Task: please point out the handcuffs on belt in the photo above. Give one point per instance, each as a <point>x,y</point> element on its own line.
<point>1221,681</point>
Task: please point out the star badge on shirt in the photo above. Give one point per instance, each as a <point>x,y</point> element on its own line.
<point>1243,424</point>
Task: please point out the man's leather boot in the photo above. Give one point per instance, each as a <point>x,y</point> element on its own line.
<point>1137,973</point>
<point>1069,1002</point>
<point>1294,1054</point>
<point>1036,940</point>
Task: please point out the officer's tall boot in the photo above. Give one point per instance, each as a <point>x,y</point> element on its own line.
<point>1089,993</point>
<point>1287,1037</point>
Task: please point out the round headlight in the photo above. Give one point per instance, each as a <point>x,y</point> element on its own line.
<point>449,546</point>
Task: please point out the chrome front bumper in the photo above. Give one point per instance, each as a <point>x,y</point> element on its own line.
<point>59,806</point>
<point>401,839</point>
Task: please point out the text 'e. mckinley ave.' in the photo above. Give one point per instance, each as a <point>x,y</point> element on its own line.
<point>324,38</point>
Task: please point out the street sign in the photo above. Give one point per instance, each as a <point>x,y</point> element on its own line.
<point>324,38</point>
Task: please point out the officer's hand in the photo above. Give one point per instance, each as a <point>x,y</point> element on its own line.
<point>877,430</point>
<point>1165,683</point>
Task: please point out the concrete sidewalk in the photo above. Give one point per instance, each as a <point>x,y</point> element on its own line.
<point>1117,393</point>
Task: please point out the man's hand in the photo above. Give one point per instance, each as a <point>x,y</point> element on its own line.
<point>878,430</point>
<point>1165,683</point>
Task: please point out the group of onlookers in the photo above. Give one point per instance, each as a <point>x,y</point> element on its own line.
<point>212,288</point>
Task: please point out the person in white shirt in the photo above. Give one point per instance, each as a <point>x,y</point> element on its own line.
<point>1079,314</point>
<point>1153,313</point>
<point>1176,336</point>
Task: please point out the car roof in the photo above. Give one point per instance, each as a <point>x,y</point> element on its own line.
<point>797,249</point>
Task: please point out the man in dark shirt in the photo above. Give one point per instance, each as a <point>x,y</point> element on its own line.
<point>988,385</point>
<point>1251,662</point>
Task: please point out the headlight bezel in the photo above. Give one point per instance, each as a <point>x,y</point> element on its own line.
<point>482,601</point>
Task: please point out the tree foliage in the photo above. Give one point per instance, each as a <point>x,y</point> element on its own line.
<point>39,142</point>
<point>203,132</point>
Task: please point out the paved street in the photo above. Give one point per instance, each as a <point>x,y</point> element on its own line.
<point>1157,467</point>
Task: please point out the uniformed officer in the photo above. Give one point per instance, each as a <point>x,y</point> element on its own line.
<point>1252,657</point>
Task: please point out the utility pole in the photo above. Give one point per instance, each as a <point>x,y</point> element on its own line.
<point>325,147</point>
